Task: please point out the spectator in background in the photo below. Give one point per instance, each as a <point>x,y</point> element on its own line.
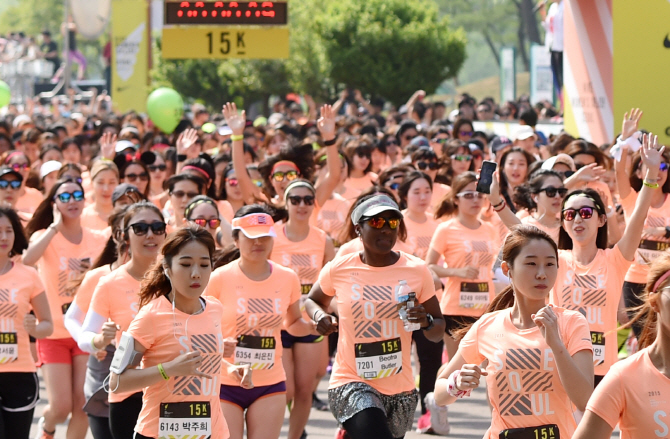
<point>49,49</point>
<point>485,111</point>
<point>529,117</point>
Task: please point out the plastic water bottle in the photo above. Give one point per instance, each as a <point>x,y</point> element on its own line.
<point>406,298</point>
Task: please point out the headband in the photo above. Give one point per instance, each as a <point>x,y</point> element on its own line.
<point>12,154</point>
<point>595,203</point>
<point>660,281</point>
<point>192,206</point>
<point>284,162</point>
<point>298,183</point>
<point>196,169</point>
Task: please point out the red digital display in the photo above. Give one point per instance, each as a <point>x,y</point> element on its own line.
<point>184,13</point>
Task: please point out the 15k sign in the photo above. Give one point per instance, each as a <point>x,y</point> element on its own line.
<point>225,42</point>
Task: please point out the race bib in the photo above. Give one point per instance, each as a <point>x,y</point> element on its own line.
<point>549,431</point>
<point>184,420</point>
<point>305,288</point>
<point>259,352</point>
<point>649,250</point>
<point>9,348</point>
<point>380,359</point>
<point>474,295</point>
<point>598,341</point>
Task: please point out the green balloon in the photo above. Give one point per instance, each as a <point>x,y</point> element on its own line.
<point>5,94</point>
<point>165,108</point>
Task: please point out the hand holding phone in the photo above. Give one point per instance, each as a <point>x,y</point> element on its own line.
<point>486,177</point>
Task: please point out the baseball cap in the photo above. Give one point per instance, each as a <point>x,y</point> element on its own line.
<point>560,158</point>
<point>122,145</point>
<point>5,170</point>
<point>524,132</point>
<point>374,206</point>
<point>20,120</point>
<point>123,189</point>
<point>49,167</point>
<point>419,142</point>
<point>500,142</point>
<point>255,225</point>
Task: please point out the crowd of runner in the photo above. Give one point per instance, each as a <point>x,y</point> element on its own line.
<point>197,284</point>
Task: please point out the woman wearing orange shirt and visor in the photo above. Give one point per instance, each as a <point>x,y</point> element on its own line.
<point>104,179</point>
<point>590,275</point>
<point>259,297</point>
<point>469,248</point>
<point>22,290</point>
<point>177,333</point>
<point>538,356</point>
<point>372,391</point>
<point>62,249</point>
<point>634,393</point>
<point>114,303</point>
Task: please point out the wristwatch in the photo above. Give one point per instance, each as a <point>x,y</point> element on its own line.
<point>431,323</point>
<point>181,158</point>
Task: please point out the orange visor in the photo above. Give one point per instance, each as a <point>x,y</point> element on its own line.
<point>255,225</point>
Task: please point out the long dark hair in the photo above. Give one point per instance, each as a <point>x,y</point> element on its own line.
<point>156,282</point>
<point>504,184</point>
<point>44,214</point>
<point>523,195</point>
<point>20,240</point>
<point>406,184</point>
<point>564,240</point>
<point>448,204</point>
<point>115,245</point>
<point>636,182</point>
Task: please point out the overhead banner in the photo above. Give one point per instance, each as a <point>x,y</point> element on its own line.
<point>507,74</point>
<point>130,48</point>
<point>587,68</point>
<point>642,63</point>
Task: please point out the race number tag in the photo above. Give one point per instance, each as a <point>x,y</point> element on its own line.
<point>598,341</point>
<point>649,250</point>
<point>9,348</point>
<point>305,288</point>
<point>549,431</point>
<point>259,352</point>
<point>380,359</point>
<point>474,295</point>
<point>184,420</point>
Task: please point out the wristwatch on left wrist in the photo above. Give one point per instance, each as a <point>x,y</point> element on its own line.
<point>431,323</point>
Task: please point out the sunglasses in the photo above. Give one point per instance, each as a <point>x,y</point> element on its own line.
<point>132,177</point>
<point>232,181</point>
<point>470,195</point>
<point>378,222</point>
<point>154,168</point>
<point>182,194</point>
<point>19,167</point>
<point>392,142</point>
<point>585,212</point>
<point>440,141</point>
<point>364,154</point>
<point>290,175</point>
<point>462,157</point>
<point>664,166</point>
<point>14,184</point>
<point>141,229</point>
<point>552,191</point>
<point>566,174</point>
<point>258,183</point>
<point>430,165</point>
<point>66,197</point>
<point>212,223</point>
<point>465,133</point>
<point>296,200</point>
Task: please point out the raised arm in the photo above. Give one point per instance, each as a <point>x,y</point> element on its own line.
<point>631,122</point>
<point>498,202</point>
<point>37,247</point>
<point>327,185</point>
<point>236,122</point>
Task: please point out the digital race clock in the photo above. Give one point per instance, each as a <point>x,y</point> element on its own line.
<point>225,13</point>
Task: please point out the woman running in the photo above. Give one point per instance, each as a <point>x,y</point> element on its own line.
<point>259,297</point>
<point>359,153</point>
<point>372,391</point>
<point>204,212</point>
<point>177,334</point>
<point>104,179</point>
<point>22,291</point>
<point>539,355</point>
<point>182,189</point>
<point>514,172</point>
<point>415,193</point>
<point>10,186</point>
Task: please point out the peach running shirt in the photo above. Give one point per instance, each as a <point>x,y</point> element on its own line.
<point>87,287</point>
<point>29,201</point>
<point>361,183</point>
<point>373,346</point>
<point>61,265</point>
<point>167,334</point>
<point>17,288</point>
<point>356,245</point>
<point>523,382</point>
<point>332,217</point>
<point>253,313</point>
<point>553,232</point>
<point>650,247</point>
<point>461,247</point>
<point>91,219</point>
<point>419,235</point>
<point>594,290</point>
<point>635,395</point>
<point>304,257</point>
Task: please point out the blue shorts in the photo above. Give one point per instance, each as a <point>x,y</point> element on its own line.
<point>243,398</point>
<point>287,340</point>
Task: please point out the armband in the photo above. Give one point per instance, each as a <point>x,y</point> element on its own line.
<point>181,158</point>
<point>651,185</point>
<point>236,137</point>
<point>125,355</point>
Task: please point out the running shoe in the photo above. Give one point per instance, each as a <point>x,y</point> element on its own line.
<point>41,433</point>
<point>439,421</point>
<point>319,404</point>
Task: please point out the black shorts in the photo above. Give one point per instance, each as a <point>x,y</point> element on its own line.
<point>19,391</point>
<point>454,323</point>
<point>288,340</point>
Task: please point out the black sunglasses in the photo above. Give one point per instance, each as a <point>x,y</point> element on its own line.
<point>154,168</point>
<point>14,184</point>
<point>296,200</point>
<point>430,165</point>
<point>552,191</point>
<point>141,229</point>
<point>132,177</point>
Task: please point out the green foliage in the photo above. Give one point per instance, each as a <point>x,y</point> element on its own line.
<point>33,16</point>
<point>390,48</point>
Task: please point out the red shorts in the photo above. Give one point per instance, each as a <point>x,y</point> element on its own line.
<point>57,350</point>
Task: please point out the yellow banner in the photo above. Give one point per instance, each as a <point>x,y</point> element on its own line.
<point>130,48</point>
<point>642,63</point>
<point>216,42</point>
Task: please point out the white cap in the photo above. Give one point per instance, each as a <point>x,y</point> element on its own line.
<point>21,119</point>
<point>122,145</point>
<point>523,132</point>
<point>49,167</point>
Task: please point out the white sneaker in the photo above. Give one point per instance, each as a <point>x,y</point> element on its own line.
<point>41,434</point>
<point>439,421</point>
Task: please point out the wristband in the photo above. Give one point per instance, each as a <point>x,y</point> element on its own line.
<point>181,157</point>
<point>314,316</point>
<point>502,206</point>
<point>499,204</point>
<point>236,137</point>
<point>650,185</point>
<point>330,142</point>
<point>95,349</point>
<point>451,386</point>
<point>162,371</point>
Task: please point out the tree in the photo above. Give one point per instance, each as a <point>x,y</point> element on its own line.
<point>389,48</point>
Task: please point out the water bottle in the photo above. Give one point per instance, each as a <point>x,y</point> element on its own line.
<point>406,299</point>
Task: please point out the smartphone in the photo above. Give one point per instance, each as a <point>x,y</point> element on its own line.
<point>486,177</point>
<point>351,95</point>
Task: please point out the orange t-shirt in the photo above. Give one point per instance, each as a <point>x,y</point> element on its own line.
<point>634,394</point>
<point>361,183</point>
<point>85,291</point>
<point>650,247</point>
<point>594,290</point>
<point>19,286</point>
<point>524,387</point>
<point>116,298</point>
<point>350,193</point>
<point>419,235</point>
<point>553,232</point>
<point>29,201</point>
<point>304,257</point>
<point>461,247</point>
<point>254,315</point>
<point>61,264</point>
<point>373,347</point>
<point>226,210</point>
<point>356,245</point>
<point>91,219</point>
<point>332,217</point>
<point>166,334</point>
